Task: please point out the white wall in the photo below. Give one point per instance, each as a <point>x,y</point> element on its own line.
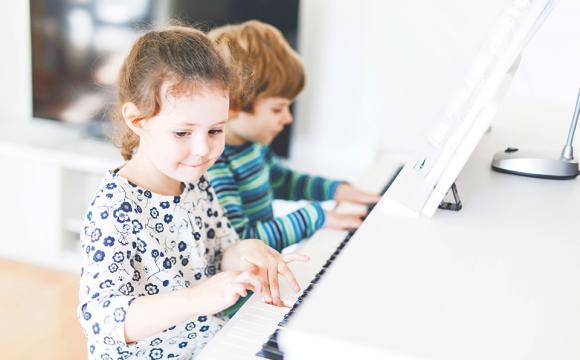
<point>377,71</point>
<point>15,89</point>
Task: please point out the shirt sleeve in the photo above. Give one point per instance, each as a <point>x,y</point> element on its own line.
<point>288,184</point>
<point>278,233</point>
<point>107,275</point>
<point>286,230</point>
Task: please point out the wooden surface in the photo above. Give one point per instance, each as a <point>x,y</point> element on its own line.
<point>38,313</point>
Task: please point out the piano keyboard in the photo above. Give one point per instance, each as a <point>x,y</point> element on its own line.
<point>252,333</point>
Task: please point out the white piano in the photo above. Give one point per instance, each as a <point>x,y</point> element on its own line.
<point>500,279</point>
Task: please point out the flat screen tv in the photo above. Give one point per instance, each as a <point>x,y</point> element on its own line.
<point>78,46</point>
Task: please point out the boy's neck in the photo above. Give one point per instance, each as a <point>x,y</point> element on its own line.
<point>232,138</point>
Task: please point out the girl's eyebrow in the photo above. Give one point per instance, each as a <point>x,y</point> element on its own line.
<point>222,122</point>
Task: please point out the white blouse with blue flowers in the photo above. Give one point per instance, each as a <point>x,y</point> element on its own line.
<point>138,243</point>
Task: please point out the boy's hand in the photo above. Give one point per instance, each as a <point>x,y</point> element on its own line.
<point>339,221</point>
<point>223,290</point>
<point>347,192</point>
<point>267,265</point>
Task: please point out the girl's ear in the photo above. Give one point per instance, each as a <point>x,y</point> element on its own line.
<point>132,117</point>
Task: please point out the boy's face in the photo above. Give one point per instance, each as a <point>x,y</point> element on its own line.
<point>265,123</point>
<point>187,136</point>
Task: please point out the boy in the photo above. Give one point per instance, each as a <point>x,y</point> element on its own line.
<point>248,176</point>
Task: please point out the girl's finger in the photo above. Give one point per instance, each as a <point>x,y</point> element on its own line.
<point>287,258</point>
<point>266,294</point>
<point>274,285</point>
<point>239,289</point>
<point>250,281</point>
<point>287,273</point>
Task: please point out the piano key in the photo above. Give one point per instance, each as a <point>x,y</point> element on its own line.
<point>270,353</point>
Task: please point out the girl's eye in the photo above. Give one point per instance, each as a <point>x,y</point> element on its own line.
<point>216,131</point>
<point>276,111</point>
<point>181,133</point>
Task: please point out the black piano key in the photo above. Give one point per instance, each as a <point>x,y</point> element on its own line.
<point>273,339</point>
<point>270,353</point>
<point>272,343</point>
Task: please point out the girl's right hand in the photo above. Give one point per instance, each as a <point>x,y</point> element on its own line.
<point>223,290</point>
<point>340,221</point>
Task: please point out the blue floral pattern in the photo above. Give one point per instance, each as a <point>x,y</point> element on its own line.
<point>138,243</point>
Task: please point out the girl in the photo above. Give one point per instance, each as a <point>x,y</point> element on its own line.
<point>160,259</point>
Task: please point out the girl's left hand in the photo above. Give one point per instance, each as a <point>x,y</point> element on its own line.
<point>347,192</point>
<point>268,264</point>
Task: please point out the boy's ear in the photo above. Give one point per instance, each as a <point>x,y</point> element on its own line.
<point>132,117</point>
<point>233,113</point>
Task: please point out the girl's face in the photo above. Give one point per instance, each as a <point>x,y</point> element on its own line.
<point>187,136</point>
<point>265,123</point>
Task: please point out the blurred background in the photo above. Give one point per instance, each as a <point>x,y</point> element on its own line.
<point>378,75</point>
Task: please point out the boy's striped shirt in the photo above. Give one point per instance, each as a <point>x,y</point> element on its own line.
<point>247,178</point>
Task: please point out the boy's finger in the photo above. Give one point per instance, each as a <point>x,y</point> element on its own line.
<point>351,222</point>
<point>359,213</point>
<point>371,198</point>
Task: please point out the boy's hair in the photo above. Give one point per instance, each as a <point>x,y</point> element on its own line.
<point>181,55</point>
<point>264,63</point>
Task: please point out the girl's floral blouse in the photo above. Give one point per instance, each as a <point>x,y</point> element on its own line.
<point>138,243</point>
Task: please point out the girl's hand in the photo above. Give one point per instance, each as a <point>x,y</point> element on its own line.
<point>268,265</point>
<point>223,290</point>
<point>339,221</point>
<point>346,192</point>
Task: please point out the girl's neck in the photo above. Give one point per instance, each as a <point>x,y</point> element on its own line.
<point>141,171</point>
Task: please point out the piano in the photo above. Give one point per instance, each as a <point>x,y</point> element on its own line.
<point>252,332</point>
<point>497,280</point>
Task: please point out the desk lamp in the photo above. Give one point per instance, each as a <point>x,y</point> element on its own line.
<point>511,161</point>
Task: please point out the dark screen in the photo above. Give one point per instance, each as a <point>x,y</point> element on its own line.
<point>78,46</point>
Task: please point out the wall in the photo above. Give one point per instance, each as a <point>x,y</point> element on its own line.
<point>379,73</point>
<point>15,90</point>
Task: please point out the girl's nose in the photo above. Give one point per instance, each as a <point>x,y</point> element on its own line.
<point>200,145</point>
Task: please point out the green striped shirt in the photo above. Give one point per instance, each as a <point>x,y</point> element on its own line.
<point>247,178</point>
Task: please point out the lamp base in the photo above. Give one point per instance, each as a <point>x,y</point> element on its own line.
<point>511,161</point>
